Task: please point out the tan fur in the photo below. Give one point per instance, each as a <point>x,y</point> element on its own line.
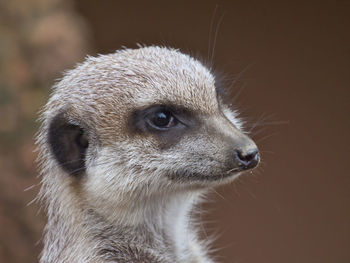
<point>124,208</point>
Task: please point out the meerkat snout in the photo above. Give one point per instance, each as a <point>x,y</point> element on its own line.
<point>129,142</point>
<point>205,141</point>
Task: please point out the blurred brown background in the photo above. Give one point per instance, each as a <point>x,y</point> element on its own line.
<point>295,63</point>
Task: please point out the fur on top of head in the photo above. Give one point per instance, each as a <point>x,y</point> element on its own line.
<point>137,124</point>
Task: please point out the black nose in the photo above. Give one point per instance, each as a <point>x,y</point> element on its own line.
<point>247,159</point>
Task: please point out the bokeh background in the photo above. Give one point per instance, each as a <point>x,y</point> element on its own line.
<point>289,66</point>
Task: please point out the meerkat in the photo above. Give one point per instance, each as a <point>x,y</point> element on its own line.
<point>129,143</point>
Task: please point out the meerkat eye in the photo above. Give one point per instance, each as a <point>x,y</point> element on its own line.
<point>162,119</point>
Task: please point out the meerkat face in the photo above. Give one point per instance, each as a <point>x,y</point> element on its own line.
<point>144,120</point>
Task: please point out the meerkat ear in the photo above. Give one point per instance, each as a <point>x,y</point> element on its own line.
<point>68,142</point>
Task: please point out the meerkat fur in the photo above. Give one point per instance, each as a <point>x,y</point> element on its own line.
<point>117,184</point>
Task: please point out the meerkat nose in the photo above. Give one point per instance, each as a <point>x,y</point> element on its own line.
<point>247,159</point>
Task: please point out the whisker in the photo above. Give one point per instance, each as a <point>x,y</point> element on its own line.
<point>259,122</point>
<point>270,152</point>
<point>32,202</point>
<point>29,188</point>
<point>257,132</point>
<point>235,97</point>
<point>266,137</point>
<point>216,192</point>
<point>215,38</point>
<point>238,76</point>
<point>211,30</point>
<point>262,121</point>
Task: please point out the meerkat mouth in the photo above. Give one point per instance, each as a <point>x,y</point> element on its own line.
<point>201,177</point>
<point>240,163</point>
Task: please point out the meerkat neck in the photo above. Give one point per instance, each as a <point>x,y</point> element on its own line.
<point>162,222</point>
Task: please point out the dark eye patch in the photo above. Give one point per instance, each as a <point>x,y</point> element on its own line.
<point>168,123</point>
<point>68,143</point>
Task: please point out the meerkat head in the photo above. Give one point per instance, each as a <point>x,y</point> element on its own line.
<point>142,122</point>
